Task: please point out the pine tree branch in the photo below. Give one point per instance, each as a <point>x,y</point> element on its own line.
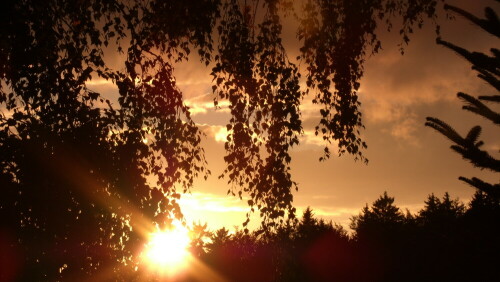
<point>492,98</point>
<point>476,106</point>
<point>444,129</point>
<point>473,134</point>
<point>489,70</point>
<point>467,147</point>
<point>491,24</point>
<point>488,77</point>
<point>490,189</point>
<point>479,60</point>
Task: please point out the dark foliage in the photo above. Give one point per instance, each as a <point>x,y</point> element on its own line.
<point>76,172</point>
<point>310,249</point>
<point>445,241</point>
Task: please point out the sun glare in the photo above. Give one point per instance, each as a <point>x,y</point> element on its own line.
<point>167,250</point>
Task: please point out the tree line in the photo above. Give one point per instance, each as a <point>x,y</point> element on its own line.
<point>446,240</point>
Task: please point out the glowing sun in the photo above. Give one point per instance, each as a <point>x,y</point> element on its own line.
<point>167,250</point>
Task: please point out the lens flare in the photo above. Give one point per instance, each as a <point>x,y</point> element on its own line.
<point>167,250</point>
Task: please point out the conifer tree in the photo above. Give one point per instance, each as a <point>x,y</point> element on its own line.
<point>470,147</point>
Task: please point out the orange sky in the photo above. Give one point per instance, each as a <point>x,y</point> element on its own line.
<point>407,159</point>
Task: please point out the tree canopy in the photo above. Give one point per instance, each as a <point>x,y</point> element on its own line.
<point>446,240</point>
<point>73,162</point>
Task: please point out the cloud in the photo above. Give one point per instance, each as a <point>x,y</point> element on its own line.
<point>218,133</point>
<point>216,210</point>
<point>426,74</point>
<point>98,81</point>
<point>328,211</point>
<point>211,207</point>
<point>406,130</point>
<point>200,105</point>
<point>203,202</point>
<point>322,197</point>
<point>309,137</point>
<point>221,134</point>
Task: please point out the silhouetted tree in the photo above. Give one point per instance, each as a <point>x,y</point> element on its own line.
<point>309,226</point>
<point>454,241</point>
<point>81,173</point>
<point>488,68</point>
<point>439,213</point>
<point>441,235</point>
<point>379,220</point>
<point>199,235</point>
<point>444,241</point>
<point>218,239</point>
<point>241,256</point>
<point>323,249</point>
<point>482,226</point>
<point>484,204</point>
<point>380,235</point>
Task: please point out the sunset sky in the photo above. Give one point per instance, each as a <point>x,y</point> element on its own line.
<point>406,159</point>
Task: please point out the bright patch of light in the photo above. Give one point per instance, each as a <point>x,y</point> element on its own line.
<point>221,134</point>
<point>167,250</point>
